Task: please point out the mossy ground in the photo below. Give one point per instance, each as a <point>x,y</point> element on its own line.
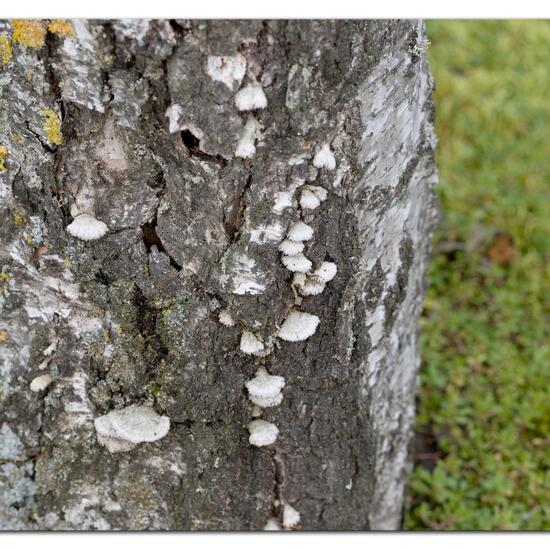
<point>484,403</point>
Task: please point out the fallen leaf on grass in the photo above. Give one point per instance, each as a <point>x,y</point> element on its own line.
<point>501,250</point>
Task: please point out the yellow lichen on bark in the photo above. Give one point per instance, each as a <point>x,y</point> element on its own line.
<point>19,219</point>
<point>6,52</point>
<point>3,155</point>
<point>29,32</point>
<point>4,336</point>
<point>52,126</point>
<point>62,27</point>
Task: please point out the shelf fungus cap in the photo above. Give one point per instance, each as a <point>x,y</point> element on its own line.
<point>250,344</point>
<point>298,326</point>
<point>87,228</point>
<point>290,248</point>
<point>324,158</point>
<point>272,525</point>
<point>123,429</point>
<point>320,192</point>
<point>264,389</point>
<point>296,262</point>
<point>262,433</point>
<point>291,517</point>
<point>245,149</point>
<point>250,97</point>
<point>326,271</point>
<point>300,231</point>
<point>309,200</point>
<point>312,286</point>
<point>225,318</point>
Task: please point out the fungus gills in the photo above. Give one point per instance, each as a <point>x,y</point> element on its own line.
<point>87,228</point>
<point>262,433</point>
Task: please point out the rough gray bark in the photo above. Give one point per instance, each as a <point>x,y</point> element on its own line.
<point>132,318</point>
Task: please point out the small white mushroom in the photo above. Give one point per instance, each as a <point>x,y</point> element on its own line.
<point>265,390</point>
<point>300,231</point>
<point>123,429</point>
<point>87,228</point>
<point>289,247</point>
<point>309,200</point>
<point>312,196</point>
<point>245,147</point>
<point>299,279</point>
<point>225,318</point>
<point>311,287</point>
<point>262,433</point>
<point>298,326</point>
<point>319,191</point>
<point>326,271</point>
<point>291,517</point>
<point>272,525</point>
<point>324,158</point>
<point>41,382</point>
<point>296,262</point>
<point>250,344</point>
<point>250,97</point>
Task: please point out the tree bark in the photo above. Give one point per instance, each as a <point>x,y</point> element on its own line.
<point>136,124</point>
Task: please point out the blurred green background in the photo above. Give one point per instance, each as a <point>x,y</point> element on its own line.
<point>482,453</point>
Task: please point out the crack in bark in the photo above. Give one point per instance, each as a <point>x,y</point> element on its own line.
<point>236,216</point>
<point>278,482</point>
<point>192,144</point>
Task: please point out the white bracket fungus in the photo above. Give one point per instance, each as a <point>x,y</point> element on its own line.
<point>298,326</point>
<point>312,286</point>
<point>312,196</point>
<point>262,433</point>
<point>289,247</point>
<point>265,390</point>
<point>314,283</point>
<point>324,158</point>
<point>87,228</point>
<point>250,344</point>
<point>299,279</point>
<point>300,231</point>
<point>123,429</point>
<point>291,517</point>
<point>272,525</point>
<point>40,383</point>
<point>326,271</point>
<point>250,97</point>
<point>245,147</point>
<point>309,200</point>
<point>296,262</point>
<point>225,318</point>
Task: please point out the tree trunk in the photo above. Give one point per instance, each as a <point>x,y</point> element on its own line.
<point>199,145</point>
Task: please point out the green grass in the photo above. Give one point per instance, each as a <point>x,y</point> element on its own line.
<point>485,379</point>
